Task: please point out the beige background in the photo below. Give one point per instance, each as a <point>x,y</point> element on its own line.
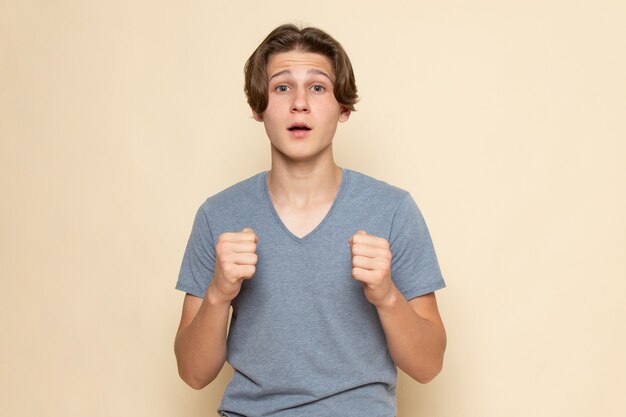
<point>505,120</point>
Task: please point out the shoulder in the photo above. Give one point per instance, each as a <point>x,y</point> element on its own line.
<point>241,194</point>
<point>368,188</point>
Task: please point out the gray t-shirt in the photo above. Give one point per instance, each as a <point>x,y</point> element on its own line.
<point>303,339</point>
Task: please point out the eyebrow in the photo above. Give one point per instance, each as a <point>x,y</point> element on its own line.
<point>311,71</point>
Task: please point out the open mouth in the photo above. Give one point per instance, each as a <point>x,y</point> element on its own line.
<point>298,127</point>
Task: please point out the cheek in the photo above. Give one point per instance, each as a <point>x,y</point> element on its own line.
<point>329,105</point>
<point>270,109</point>
<point>330,113</point>
<point>272,113</point>
<point>278,100</point>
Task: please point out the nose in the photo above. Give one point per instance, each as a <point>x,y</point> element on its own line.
<point>300,103</point>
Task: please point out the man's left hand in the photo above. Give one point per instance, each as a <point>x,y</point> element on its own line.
<point>371,266</point>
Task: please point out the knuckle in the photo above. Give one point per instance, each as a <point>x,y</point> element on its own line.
<point>220,247</point>
<point>248,271</point>
<point>230,269</point>
<point>226,258</point>
<point>223,263</point>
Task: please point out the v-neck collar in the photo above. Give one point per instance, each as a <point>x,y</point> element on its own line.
<point>301,240</point>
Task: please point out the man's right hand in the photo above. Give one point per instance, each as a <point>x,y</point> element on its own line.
<point>200,344</point>
<point>235,261</point>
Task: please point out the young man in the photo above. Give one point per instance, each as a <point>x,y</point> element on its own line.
<point>330,273</point>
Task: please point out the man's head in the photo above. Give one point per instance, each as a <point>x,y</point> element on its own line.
<point>288,38</point>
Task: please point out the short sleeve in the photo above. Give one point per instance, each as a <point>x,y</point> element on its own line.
<point>414,266</point>
<point>198,266</point>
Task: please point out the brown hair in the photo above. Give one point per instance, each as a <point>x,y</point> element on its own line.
<point>287,38</point>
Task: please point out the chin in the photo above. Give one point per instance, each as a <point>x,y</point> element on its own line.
<point>307,154</point>
<point>298,157</point>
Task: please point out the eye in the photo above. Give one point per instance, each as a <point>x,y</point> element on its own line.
<point>282,88</point>
<point>318,88</point>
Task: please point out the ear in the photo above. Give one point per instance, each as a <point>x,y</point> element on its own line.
<point>256,116</point>
<point>344,115</point>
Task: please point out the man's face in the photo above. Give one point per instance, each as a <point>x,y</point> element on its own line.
<point>302,112</point>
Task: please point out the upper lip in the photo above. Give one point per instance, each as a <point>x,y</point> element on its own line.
<point>299,124</point>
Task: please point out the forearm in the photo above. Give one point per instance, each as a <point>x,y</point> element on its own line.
<point>200,347</point>
<point>416,345</point>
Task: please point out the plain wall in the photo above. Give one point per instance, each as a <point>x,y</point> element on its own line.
<point>505,120</point>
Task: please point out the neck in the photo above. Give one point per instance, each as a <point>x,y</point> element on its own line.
<point>305,184</point>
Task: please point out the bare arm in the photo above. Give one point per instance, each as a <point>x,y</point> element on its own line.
<point>415,334</point>
<point>200,344</point>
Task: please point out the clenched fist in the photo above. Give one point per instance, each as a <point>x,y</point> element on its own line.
<point>235,261</point>
<point>371,266</point>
